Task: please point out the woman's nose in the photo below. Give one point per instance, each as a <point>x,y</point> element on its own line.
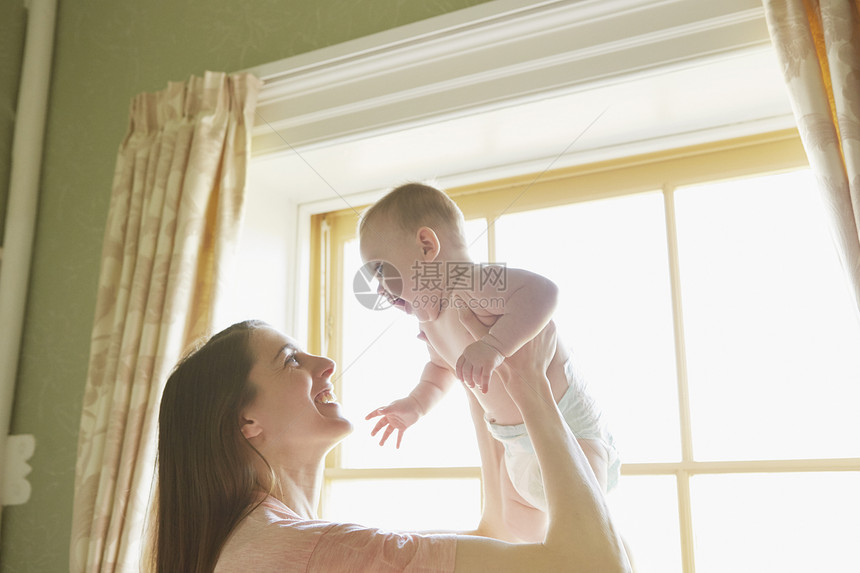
<point>326,367</point>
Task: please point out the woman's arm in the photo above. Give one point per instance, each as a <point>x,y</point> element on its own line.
<point>580,535</point>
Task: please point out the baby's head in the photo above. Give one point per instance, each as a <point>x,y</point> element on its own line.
<point>402,212</point>
<point>413,230</point>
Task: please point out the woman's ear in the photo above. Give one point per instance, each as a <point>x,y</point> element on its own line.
<point>250,428</point>
<point>429,243</point>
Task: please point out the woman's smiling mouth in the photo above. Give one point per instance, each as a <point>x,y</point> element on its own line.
<point>325,397</point>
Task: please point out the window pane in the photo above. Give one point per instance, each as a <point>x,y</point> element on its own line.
<point>382,361</point>
<point>645,508</point>
<point>609,259</point>
<point>772,338</point>
<point>261,273</point>
<point>405,504</point>
<point>476,239</point>
<point>791,523</point>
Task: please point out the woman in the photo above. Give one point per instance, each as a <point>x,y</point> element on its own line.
<point>244,427</point>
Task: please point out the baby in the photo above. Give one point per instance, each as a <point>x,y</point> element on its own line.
<point>414,242</point>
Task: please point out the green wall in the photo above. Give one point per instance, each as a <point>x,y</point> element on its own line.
<point>105,53</point>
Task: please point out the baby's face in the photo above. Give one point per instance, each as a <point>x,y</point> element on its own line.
<point>394,254</point>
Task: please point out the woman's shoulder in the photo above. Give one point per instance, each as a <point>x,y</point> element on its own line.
<point>269,537</point>
<point>273,512</point>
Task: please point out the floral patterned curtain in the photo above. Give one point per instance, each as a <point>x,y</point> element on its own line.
<point>818,45</point>
<point>175,210</point>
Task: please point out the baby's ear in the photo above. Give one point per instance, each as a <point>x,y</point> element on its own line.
<point>429,243</point>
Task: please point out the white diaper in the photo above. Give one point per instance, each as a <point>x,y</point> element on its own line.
<point>582,415</point>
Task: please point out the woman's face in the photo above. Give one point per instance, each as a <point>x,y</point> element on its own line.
<point>294,406</point>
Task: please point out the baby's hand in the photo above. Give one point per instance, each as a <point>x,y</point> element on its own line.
<point>398,415</point>
<point>477,364</point>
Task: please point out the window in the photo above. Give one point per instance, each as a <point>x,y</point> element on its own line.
<point>702,297</point>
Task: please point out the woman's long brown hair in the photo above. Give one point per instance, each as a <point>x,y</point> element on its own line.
<point>206,478</point>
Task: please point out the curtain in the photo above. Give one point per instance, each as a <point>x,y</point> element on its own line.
<point>818,46</point>
<point>175,210</point>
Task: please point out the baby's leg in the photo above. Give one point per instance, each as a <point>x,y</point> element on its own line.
<point>584,418</point>
<point>529,523</point>
<point>598,459</point>
<point>523,520</point>
<point>492,452</point>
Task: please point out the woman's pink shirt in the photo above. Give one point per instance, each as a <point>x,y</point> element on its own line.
<point>274,538</point>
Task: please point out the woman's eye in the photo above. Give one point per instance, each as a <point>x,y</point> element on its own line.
<point>291,360</point>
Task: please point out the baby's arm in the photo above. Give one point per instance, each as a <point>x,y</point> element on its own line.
<point>435,382</point>
<point>525,303</point>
